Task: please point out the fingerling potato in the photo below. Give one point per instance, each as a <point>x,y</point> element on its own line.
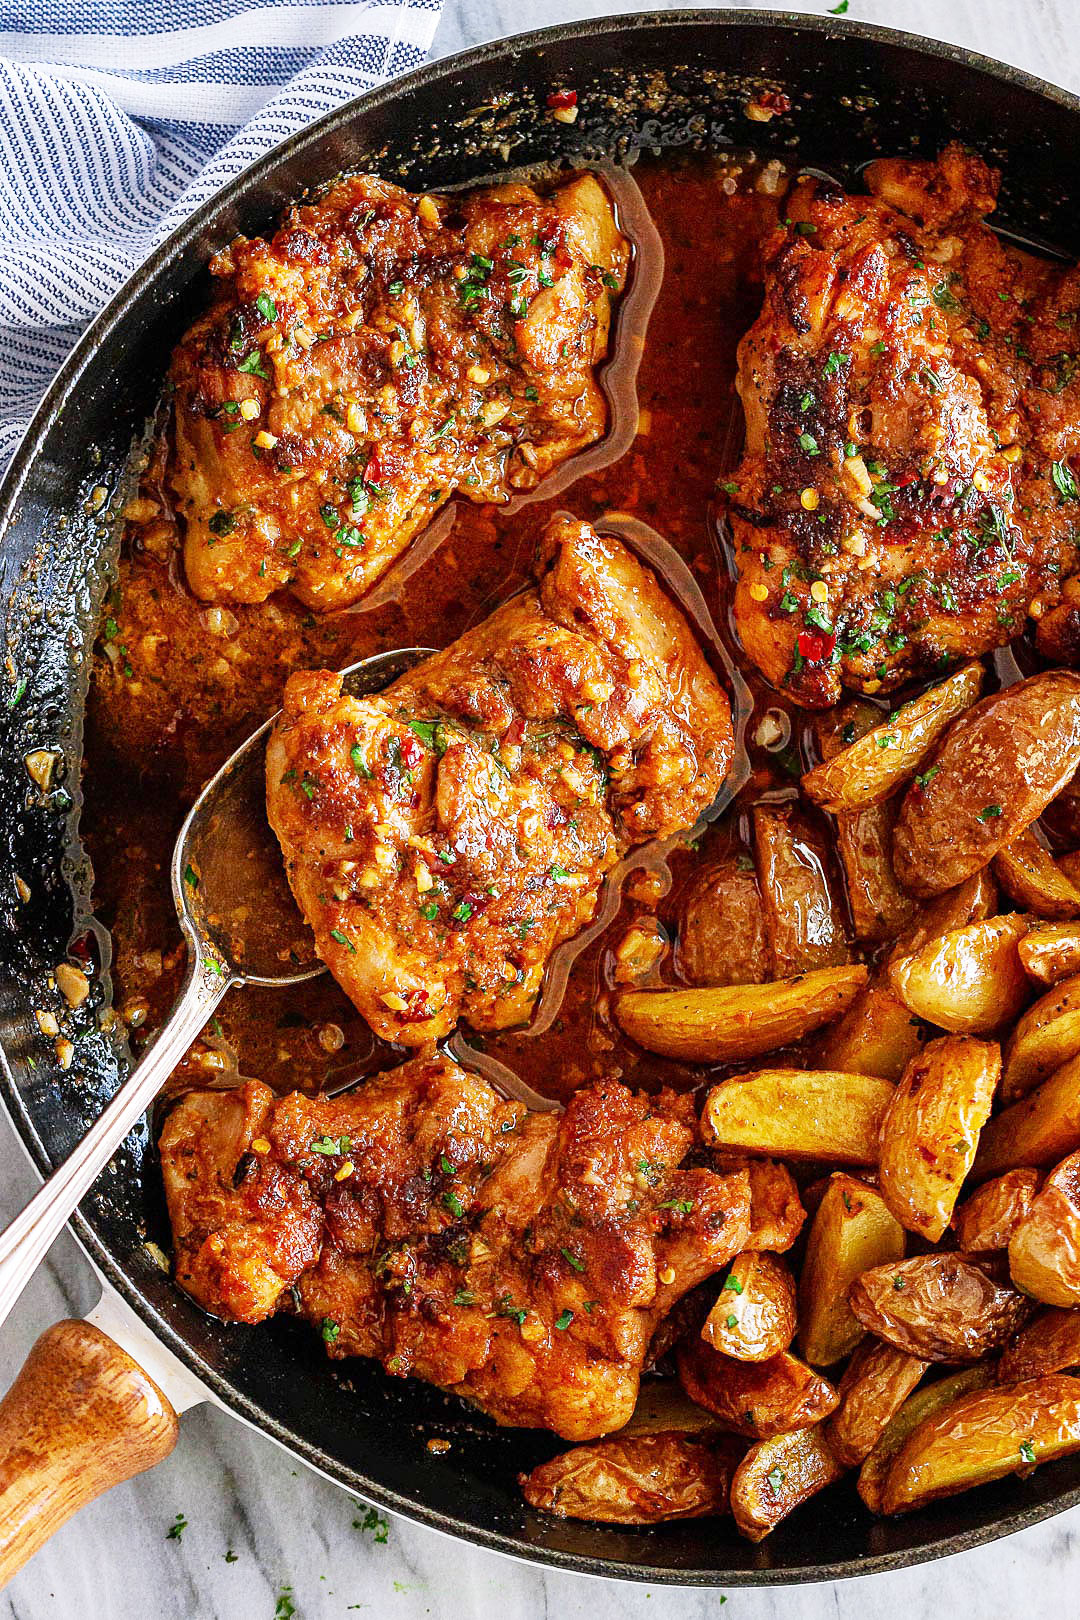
<point>1030,875</point>
<point>777,1475</point>
<point>1044,1251</point>
<point>799,1114</point>
<point>982,1436</point>
<point>939,1307</point>
<point>730,1023</point>
<point>1047,1036</point>
<point>931,1130</point>
<point>754,1398</point>
<point>1049,1344</point>
<point>644,1479</point>
<point>970,981</point>
<point>663,1407</point>
<point>890,754</point>
<point>721,935</point>
<point>877,1035</point>
<point>1038,1130</point>
<point>851,1231</point>
<point>995,772</point>
<point>754,1315</point>
<point>803,921</point>
<point>923,1404</point>
<point>988,1219</point>
<point>1050,952</point>
<point>877,1381</point>
<point>969,902</point>
<point>776,1211</point>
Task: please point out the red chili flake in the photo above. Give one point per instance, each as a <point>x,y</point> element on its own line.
<point>905,479</point>
<point>562,98</point>
<point>775,100</point>
<point>815,646</point>
<point>412,751</point>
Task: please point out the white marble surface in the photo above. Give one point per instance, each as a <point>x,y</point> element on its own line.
<point>294,1545</point>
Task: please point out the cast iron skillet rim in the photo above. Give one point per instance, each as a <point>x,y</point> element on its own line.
<point>11,487</point>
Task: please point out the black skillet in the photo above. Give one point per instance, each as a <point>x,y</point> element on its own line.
<point>669,80</point>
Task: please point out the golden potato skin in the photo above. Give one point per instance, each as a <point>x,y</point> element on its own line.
<point>939,1307</point>
<point>754,1315</point>
<point>1050,952</point>
<point>931,1130</point>
<point>988,1219</point>
<point>777,1475</point>
<point>803,920</point>
<point>1044,1250</point>
<point>926,1401</point>
<point>776,1211</point>
<point>877,1035</point>
<point>983,1436</point>
<point>1049,1344</point>
<point>1030,875</point>
<point>852,1230</point>
<point>996,771</point>
<point>644,1479</point>
<point>730,1023</point>
<point>1047,1036</point>
<point>876,1382</point>
<point>800,1114</point>
<point>890,754</point>
<point>969,981</point>
<point>754,1398</point>
<point>721,933</point>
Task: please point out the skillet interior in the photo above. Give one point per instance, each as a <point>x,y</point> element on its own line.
<point>672,80</point>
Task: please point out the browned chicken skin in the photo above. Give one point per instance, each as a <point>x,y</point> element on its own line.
<point>912,401</point>
<point>380,353</point>
<point>443,837</point>
<point>521,1261</point>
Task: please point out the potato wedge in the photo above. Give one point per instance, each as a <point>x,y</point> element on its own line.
<point>1050,952</point>
<point>923,1404</point>
<point>931,1130</point>
<point>803,921</point>
<point>890,754</point>
<point>777,1475</point>
<point>969,902</point>
<point>988,1219</point>
<point>1044,1251</point>
<point>1047,1036</point>
<point>995,772</point>
<point>799,1113</point>
<point>1030,875</point>
<point>970,981</point>
<point>1051,1343</point>
<point>877,1381</point>
<point>643,1479</point>
<point>754,1398</point>
<point>877,1035</point>
<point>939,1307</point>
<point>663,1407</point>
<point>851,1231</point>
<point>730,1023</point>
<point>776,1211</point>
<point>754,1315</point>
<point>1038,1130</point>
<point>879,907</point>
<point>983,1436</point>
<point>721,935</point>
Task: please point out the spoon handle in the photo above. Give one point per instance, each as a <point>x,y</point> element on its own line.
<point>30,1235</point>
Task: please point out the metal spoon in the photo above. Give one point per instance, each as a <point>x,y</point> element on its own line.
<point>242,926</point>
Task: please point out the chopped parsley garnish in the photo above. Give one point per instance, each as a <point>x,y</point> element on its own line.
<point>1063,481</point>
<point>266,307</point>
<point>732,1321</point>
<point>358,760</point>
<point>683,1205</point>
<point>1027,1451</point>
<point>329,1146</point>
<point>330,1330</point>
<point>571,1257</point>
<point>222,523</point>
<point>775,1477</point>
<point>835,363</point>
<point>899,1283</point>
<point>343,939</point>
<point>927,776</point>
<point>464,1297</point>
<point>462,911</point>
<point>252,365</point>
<point>454,1204</point>
<point>191,877</point>
<point>808,443</point>
<point>563,1320</point>
<point>176,1530</point>
<point>989,812</point>
<point>732,1285</point>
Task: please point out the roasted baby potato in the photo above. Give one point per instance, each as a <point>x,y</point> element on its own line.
<point>777,1475</point>
<point>939,1307</point>
<point>663,1407</point>
<point>984,1435</point>
<point>971,901</point>
<point>754,1315</point>
<point>754,1398</point>
<point>877,1381</point>
<point>890,754</point>
<point>923,1404</point>
<point>851,1231</point>
<point>969,981</point>
<point>776,1211</point>
<point>721,932</point>
<point>1030,875</point>
<point>1038,1130</point>
<point>1050,952</point>
<point>1044,1251</point>
<point>799,1113</point>
<point>1047,1036</point>
<point>877,1035</point>
<point>802,919</point>
<point>644,1479</point>
<point>1051,1343</point>
<point>988,1219</point>
<point>729,1023</point>
<point>994,774</point>
<point>931,1130</point>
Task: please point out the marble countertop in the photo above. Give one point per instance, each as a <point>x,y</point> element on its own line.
<point>266,1537</point>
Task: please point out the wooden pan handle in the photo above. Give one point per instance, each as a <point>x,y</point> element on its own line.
<point>81,1416</point>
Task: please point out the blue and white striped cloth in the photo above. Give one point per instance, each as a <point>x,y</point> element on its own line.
<point>119,117</point>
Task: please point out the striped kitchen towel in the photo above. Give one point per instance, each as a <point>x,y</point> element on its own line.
<point>119,117</point>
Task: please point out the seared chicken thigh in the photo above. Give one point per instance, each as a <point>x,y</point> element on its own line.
<point>521,1261</point>
<point>905,497</point>
<point>443,837</point>
<point>380,353</point>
